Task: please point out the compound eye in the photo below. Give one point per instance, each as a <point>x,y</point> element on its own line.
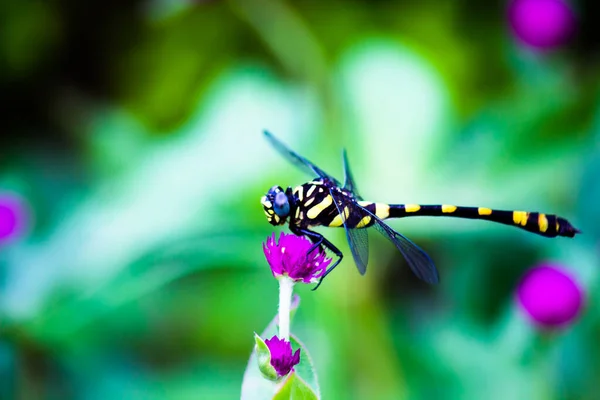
<point>281,205</point>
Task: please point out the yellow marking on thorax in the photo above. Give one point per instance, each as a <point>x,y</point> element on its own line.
<point>297,215</point>
<point>412,207</point>
<point>484,211</point>
<point>299,192</point>
<point>338,220</point>
<point>364,222</point>
<point>446,209</point>
<point>276,218</point>
<point>309,201</point>
<point>311,190</point>
<point>557,225</point>
<point>543,222</point>
<point>520,217</point>
<point>318,208</point>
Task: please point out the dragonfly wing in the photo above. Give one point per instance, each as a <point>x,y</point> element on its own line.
<point>297,159</point>
<point>358,239</point>
<point>348,178</point>
<point>359,246</point>
<point>418,261</point>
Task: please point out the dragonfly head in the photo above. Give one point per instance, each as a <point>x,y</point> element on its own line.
<point>276,205</point>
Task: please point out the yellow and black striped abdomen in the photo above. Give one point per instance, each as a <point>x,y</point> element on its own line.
<point>316,207</point>
<point>542,224</point>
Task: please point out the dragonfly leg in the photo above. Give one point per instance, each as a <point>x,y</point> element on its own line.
<point>317,239</point>
<point>339,260</point>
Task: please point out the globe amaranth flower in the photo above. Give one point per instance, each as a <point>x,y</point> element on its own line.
<point>541,24</point>
<point>13,216</point>
<point>550,296</point>
<point>282,358</point>
<point>290,258</point>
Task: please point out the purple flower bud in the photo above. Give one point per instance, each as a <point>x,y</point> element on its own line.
<point>550,296</point>
<point>541,24</point>
<point>13,215</point>
<point>282,358</point>
<point>289,257</point>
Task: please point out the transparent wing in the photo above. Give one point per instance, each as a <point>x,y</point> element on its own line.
<point>418,261</point>
<point>297,159</point>
<point>358,239</point>
<point>348,179</point>
<point>359,246</point>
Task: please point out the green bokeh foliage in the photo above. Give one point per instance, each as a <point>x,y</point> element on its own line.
<point>142,274</point>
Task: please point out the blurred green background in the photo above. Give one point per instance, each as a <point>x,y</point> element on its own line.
<point>132,129</point>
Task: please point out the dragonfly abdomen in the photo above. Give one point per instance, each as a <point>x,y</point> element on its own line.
<point>547,225</point>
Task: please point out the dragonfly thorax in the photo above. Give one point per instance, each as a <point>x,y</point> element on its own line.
<point>276,205</point>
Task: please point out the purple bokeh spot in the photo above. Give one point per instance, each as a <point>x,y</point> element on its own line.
<point>541,24</point>
<point>13,216</point>
<point>550,296</point>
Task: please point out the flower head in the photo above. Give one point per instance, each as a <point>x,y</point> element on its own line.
<point>13,215</point>
<point>550,296</point>
<point>282,358</point>
<point>290,258</point>
<point>541,24</point>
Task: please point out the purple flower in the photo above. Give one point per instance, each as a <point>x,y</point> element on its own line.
<point>550,296</point>
<point>289,257</point>
<point>13,215</point>
<point>282,358</point>
<point>541,24</point>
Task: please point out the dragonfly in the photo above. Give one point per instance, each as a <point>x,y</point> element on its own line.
<point>324,201</point>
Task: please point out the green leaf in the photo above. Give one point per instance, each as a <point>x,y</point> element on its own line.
<point>305,368</point>
<point>263,356</point>
<point>295,388</point>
